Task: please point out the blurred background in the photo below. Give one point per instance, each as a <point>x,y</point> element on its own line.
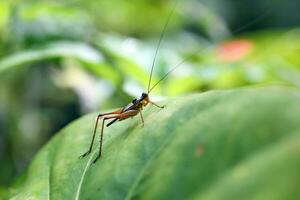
<point>61,59</point>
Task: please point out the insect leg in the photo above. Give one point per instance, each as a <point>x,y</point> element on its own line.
<point>124,115</point>
<point>92,142</point>
<point>157,105</point>
<point>95,129</point>
<point>142,118</point>
<point>110,123</point>
<point>119,111</point>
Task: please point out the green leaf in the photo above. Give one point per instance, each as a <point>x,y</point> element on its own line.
<point>235,144</point>
<point>80,51</point>
<point>88,57</point>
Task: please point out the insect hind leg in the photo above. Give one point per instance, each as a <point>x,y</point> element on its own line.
<point>111,122</point>
<point>116,112</point>
<point>92,142</point>
<point>124,115</point>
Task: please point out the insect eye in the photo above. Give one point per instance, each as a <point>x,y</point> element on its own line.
<point>144,95</point>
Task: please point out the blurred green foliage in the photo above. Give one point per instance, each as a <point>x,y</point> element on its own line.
<point>61,59</point>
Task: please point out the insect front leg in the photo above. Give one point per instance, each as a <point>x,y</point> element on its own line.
<point>157,105</point>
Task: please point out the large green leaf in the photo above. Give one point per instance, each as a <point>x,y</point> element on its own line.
<point>237,144</point>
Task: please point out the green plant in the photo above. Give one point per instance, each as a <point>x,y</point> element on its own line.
<point>235,144</point>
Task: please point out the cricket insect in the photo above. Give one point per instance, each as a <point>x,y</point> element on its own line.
<point>136,106</point>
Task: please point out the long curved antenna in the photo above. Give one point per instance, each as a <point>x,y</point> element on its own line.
<point>159,42</point>
<point>250,23</point>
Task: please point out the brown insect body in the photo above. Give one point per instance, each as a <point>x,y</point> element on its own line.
<point>138,104</point>
<point>133,108</point>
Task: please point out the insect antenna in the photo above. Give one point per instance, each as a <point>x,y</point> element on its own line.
<point>197,51</point>
<point>159,43</point>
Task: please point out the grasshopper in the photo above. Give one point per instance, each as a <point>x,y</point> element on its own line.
<point>136,106</point>
<point>133,108</point>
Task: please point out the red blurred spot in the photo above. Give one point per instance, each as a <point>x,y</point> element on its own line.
<point>199,150</point>
<point>234,50</point>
